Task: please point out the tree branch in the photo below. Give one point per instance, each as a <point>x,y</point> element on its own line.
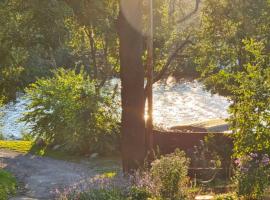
<point>169,61</point>
<point>191,13</point>
<point>171,58</point>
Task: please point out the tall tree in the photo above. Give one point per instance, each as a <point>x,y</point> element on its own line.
<point>97,18</point>
<point>30,33</point>
<point>132,79</point>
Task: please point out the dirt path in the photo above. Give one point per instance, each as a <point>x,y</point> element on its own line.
<point>42,176</point>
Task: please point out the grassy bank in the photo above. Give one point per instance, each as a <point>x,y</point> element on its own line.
<point>30,147</point>
<point>7,185</point>
<point>19,146</point>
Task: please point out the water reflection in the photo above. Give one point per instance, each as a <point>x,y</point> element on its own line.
<point>186,102</point>
<point>174,104</point>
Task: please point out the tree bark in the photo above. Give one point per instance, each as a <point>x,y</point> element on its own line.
<point>132,79</point>
<point>149,89</point>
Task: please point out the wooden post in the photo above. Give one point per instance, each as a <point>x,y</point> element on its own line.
<point>149,120</point>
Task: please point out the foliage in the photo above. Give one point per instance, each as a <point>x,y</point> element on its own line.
<point>96,194</point>
<point>227,196</point>
<point>67,110</point>
<point>143,185</point>
<point>137,193</point>
<point>250,117</point>
<point>169,174</point>
<point>253,175</point>
<point>100,187</point>
<point>28,42</point>
<point>165,180</point>
<point>221,148</point>
<point>7,185</point>
<point>94,36</point>
<point>169,33</point>
<point>79,33</point>
<point>220,49</point>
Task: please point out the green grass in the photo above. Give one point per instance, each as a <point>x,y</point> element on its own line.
<point>8,185</point>
<point>19,146</point>
<point>29,147</point>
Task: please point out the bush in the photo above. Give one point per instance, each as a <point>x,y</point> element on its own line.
<point>170,175</point>
<point>250,109</point>
<point>253,175</point>
<point>7,185</point>
<point>228,196</point>
<point>68,110</point>
<point>139,193</point>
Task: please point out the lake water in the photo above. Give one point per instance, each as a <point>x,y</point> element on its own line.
<point>174,104</point>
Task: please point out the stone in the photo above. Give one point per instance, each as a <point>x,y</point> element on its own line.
<point>94,155</point>
<point>56,147</point>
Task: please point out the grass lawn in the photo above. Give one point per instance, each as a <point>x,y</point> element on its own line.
<point>19,146</point>
<point>29,147</point>
<point>7,185</point>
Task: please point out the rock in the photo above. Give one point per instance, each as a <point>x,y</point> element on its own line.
<point>94,155</point>
<point>56,147</point>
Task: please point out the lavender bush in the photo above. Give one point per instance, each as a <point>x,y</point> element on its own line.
<point>98,188</point>
<point>164,181</point>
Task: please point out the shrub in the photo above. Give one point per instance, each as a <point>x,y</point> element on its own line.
<point>170,174</point>
<point>228,196</point>
<point>7,185</point>
<point>139,193</point>
<point>68,110</point>
<point>253,175</point>
<point>106,186</point>
<point>142,185</point>
<point>222,146</point>
<point>250,119</point>
<point>250,109</point>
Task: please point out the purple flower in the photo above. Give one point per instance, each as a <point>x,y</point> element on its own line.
<point>265,160</point>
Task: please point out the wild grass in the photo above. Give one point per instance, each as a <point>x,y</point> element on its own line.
<point>8,185</point>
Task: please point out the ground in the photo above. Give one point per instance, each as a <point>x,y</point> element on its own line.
<point>41,176</point>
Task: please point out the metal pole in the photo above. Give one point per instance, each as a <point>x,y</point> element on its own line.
<point>149,122</point>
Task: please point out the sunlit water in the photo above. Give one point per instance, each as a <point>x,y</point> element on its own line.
<point>174,104</point>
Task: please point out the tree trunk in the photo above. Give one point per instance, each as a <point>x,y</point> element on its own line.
<point>149,89</point>
<point>132,79</point>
